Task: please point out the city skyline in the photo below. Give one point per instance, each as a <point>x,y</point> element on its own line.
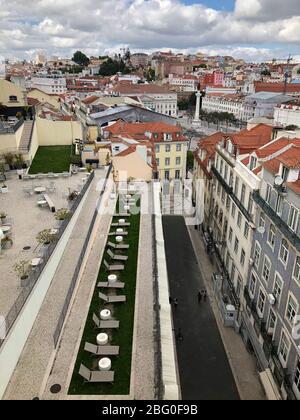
<point>257,30</point>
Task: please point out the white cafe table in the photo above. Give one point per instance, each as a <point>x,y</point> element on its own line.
<point>105,315</point>
<point>119,239</point>
<point>112,278</point>
<point>102,339</point>
<point>5,229</point>
<point>105,364</point>
<point>39,190</point>
<point>36,262</point>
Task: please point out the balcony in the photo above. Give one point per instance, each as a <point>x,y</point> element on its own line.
<point>229,190</point>
<point>280,224</point>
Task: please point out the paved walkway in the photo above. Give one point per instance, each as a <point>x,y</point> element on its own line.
<point>242,363</point>
<point>204,369</point>
<point>28,378</point>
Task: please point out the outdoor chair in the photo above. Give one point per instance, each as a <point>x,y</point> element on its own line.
<point>117,246</point>
<point>96,377</point>
<point>112,299</point>
<point>110,324</point>
<point>108,285</point>
<point>102,350</point>
<point>114,267</point>
<point>116,257</point>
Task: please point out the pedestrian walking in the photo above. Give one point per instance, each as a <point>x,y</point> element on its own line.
<point>179,335</point>
<point>199,297</point>
<point>170,300</point>
<point>175,301</point>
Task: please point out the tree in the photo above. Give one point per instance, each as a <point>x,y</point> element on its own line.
<point>111,67</point>
<point>291,127</point>
<point>81,59</point>
<point>266,73</point>
<point>190,161</point>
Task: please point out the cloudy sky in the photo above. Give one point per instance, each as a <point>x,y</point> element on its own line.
<point>251,29</point>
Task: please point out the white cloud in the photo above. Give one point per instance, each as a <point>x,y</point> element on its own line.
<point>65,25</point>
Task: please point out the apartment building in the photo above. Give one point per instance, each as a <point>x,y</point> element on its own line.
<point>272,292</point>
<point>170,145</point>
<point>186,83</point>
<point>232,211</point>
<point>157,98</point>
<point>285,115</point>
<point>231,103</point>
<point>204,159</point>
<point>53,83</point>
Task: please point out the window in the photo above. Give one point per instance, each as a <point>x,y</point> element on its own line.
<point>279,205</point>
<point>243,256</point>
<point>268,194</point>
<point>178,147</point>
<point>246,230</point>
<point>257,252</point>
<point>271,324</point>
<point>239,286</point>
<point>157,148</point>
<point>221,167</point>
<point>230,235</point>
<point>293,219</point>
<point>228,203</point>
<point>226,173</point>
<point>239,219</point>
<point>252,284</point>
<point>250,205</point>
<point>236,187</point>
<point>233,209</point>
<point>167,175</point>
<point>266,269</point>
<point>168,148</point>
<point>285,173</point>
<point>178,161</point>
<point>231,179</point>
<point>253,163</point>
<point>177,174</point>
<point>13,98</point>
<point>261,302</point>
<point>297,376</point>
<point>278,286</point>
<point>232,273</point>
<point>167,161</point>
<point>236,245</point>
<point>284,251</point>
<point>284,348</point>
<point>157,162</point>
<point>296,273</point>
<point>243,194</point>
<point>262,220</point>
<point>223,196</point>
<point>292,309</point>
<point>272,236</point>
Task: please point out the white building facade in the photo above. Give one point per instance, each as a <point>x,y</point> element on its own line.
<point>53,83</point>
<point>286,115</point>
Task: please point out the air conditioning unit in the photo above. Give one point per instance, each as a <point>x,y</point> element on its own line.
<point>272,299</point>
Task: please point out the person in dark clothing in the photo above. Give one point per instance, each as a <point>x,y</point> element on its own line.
<point>199,297</point>
<point>170,300</point>
<point>179,335</point>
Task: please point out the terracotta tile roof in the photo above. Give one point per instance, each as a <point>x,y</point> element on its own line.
<point>276,87</point>
<point>291,158</point>
<point>137,130</point>
<point>275,146</point>
<point>128,151</point>
<point>141,89</point>
<point>90,100</point>
<point>249,140</point>
<point>272,166</point>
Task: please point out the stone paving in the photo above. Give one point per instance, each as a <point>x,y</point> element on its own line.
<point>28,378</point>
<point>27,221</point>
<point>242,363</point>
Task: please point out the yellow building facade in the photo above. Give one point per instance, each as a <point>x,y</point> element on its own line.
<point>171,159</point>
<point>12,95</point>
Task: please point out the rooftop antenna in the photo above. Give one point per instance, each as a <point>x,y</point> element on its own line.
<point>287,74</point>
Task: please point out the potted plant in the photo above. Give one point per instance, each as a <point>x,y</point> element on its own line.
<point>3,216</point>
<point>45,237</point>
<point>6,243</point>
<point>22,269</point>
<point>4,189</point>
<point>9,160</point>
<point>19,164</point>
<point>62,214</point>
<point>89,168</point>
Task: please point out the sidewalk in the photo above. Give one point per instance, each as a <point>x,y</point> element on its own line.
<point>242,363</point>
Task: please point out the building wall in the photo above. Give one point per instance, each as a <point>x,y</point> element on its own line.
<point>162,154</point>
<point>58,133</point>
<point>134,165</point>
<point>43,97</point>
<point>285,116</point>
<point>8,89</point>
